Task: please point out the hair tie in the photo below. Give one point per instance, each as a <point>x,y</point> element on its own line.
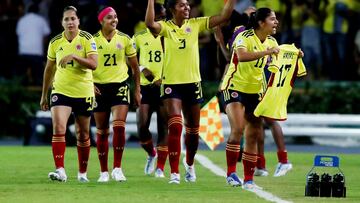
<point>104,12</point>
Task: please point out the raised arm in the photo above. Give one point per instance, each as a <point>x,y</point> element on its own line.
<point>150,22</point>
<point>224,16</point>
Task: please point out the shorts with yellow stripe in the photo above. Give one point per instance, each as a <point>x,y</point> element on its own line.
<point>250,101</point>
<point>80,106</point>
<point>112,94</point>
<point>190,93</point>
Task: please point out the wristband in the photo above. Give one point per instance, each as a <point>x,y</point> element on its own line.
<point>141,68</point>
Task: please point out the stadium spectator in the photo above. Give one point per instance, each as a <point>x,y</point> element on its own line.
<point>240,92</point>
<point>335,28</point>
<point>112,90</point>
<point>310,39</point>
<point>181,81</point>
<point>150,52</point>
<point>357,51</point>
<point>32,30</point>
<point>71,58</point>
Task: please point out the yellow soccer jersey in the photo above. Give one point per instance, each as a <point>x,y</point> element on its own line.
<point>112,67</point>
<point>247,77</point>
<point>181,63</point>
<point>73,80</point>
<point>150,53</point>
<point>287,66</point>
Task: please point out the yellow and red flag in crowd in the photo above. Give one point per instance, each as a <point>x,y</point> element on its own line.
<point>211,130</point>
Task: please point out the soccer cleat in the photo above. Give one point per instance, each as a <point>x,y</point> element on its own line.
<point>174,178</point>
<point>250,185</point>
<point>58,175</point>
<point>150,165</point>
<point>234,180</point>
<point>82,177</point>
<point>159,173</point>
<point>282,169</point>
<point>261,172</point>
<point>190,175</point>
<point>104,177</point>
<point>118,175</point>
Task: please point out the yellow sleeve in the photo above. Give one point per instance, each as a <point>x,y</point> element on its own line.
<point>130,49</point>
<point>51,55</point>
<point>164,28</point>
<point>90,47</point>
<point>301,68</point>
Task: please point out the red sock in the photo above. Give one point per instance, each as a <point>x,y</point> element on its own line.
<point>58,149</point>
<point>83,148</point>
<point>102,145</point>
<point>232,155</point>
<point>260,164</point>
<point>249,163</point>
<point>191,143</point>
<point>282,157</point>
<point>162,152</point>
<point>174,145</point>
<point>118,141</point>
<point>148,146</point>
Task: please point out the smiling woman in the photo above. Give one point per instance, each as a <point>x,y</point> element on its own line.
<point>181,89</point>
<point>112,90</point>
<point>239,91</point>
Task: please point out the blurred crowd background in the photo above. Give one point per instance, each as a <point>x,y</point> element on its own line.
<point>326,30</point>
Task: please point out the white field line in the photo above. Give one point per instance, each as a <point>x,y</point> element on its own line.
<point>207,163</point>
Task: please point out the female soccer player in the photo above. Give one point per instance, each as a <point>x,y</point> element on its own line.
<point>112,91</point>
<point>181,83</point>
<point>240,87</point>
<point>150,51</point>
<point>71,58</point>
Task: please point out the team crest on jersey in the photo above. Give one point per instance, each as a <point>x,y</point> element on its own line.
<point>188,30</point>
<point>234,95</point>
<point>93,46</point>
<point>79,47</point>
<point>119,46</point>
<point>134,45</point>
<point>54,98</point>
<point>168,90</point>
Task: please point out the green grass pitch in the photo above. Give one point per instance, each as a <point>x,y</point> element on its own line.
<point>23,178</point>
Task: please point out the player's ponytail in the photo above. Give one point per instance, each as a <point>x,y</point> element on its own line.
<point>260,15</point>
